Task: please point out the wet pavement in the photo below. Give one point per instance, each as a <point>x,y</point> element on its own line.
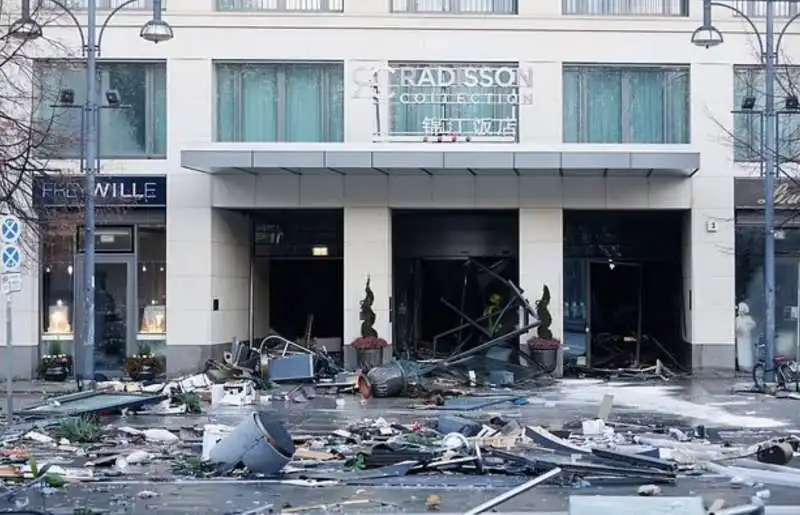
<point>744,418</point>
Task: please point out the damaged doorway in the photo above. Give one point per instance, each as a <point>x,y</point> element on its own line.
<point>615,313</point>
<point>449,266</point>
<point>298,271</point>
<point>624,290</point>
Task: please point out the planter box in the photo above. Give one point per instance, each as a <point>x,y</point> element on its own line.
<point>369,358</point>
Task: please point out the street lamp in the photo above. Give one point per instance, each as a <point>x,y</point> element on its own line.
<point>156,31</point>
<point>708,36</point>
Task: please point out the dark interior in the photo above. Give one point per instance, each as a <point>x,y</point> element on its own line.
<point>302,282</point>
<point>628,300</point>
<point>302,287</point>
<point>447,263</point>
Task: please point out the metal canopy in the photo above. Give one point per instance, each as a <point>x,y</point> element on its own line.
<point>89,403</point>
<point>439,159</point>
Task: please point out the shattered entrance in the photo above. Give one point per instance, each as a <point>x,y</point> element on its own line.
<point>298,274</point>
<point>623,290</point>
<point>453,276</point>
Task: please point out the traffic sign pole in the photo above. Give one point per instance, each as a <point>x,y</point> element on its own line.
<point>9,363</point>
<point>11,257</point>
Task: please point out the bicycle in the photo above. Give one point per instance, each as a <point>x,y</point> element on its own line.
<point>785,369</point>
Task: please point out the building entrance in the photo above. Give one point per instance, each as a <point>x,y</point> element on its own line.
<point>624,290</point>
<point>115,311</point>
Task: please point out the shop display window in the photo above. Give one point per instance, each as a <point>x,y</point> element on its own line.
<point>152,282</point>
<point>57,284</point>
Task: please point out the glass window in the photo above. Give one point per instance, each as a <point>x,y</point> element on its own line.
<point>748,124</point>
<point>268,102</point>
<point>605,104</point>
<point>627,7</point>
<point>57,282</point>
<point>133,120</point>
<point>152,280</point>
<point>423,106</point>
<point>455,6</point>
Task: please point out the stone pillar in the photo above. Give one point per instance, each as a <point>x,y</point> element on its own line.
<point>710,260</point>
<point>541,261</point>
<point>367,254</point>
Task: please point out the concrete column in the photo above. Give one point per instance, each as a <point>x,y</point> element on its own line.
<point>547,105</point>
<point>367,7</point>
<point>541,260</point>
<point>540,8</point>
<point>230,276</point>
<point>711,259</point>
<point>360,118</point>
<point>367,254</point>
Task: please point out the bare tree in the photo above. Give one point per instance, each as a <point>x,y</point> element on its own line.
<point>25,126</point>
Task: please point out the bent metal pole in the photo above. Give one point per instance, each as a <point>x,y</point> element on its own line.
<point>521,489</point>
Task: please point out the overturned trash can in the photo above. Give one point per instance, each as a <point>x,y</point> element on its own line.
<point>394,379</point>
<point>259,442</point>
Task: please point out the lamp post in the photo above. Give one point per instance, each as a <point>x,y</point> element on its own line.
<point>707,36</point>
<point>155,31</point>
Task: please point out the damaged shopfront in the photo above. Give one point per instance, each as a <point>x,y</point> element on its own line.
<point>750,310</point>
<point>428,251</point>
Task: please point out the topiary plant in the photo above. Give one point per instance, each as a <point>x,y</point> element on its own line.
<point>369,336</point>
<point>544,316</point>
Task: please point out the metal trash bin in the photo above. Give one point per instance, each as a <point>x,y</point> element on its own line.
<point>260,442</point>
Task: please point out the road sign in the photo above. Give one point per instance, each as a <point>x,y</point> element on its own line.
<point>11,258</point>
<point>10,283</point>
<point>10,229</point>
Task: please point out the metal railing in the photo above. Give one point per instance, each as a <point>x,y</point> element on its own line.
<point>758,9</point>
<point>455,6</point>
<point>324,6</point>
<point>102,5</point>
<point>626,7</point>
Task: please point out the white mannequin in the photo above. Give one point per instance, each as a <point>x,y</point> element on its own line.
<point>744,337</point>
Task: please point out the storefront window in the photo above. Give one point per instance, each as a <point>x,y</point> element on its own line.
<point>152,283</point>
<point>57,284</point>
<point>750,285</point>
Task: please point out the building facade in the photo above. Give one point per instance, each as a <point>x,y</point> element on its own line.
<point>360,132</point>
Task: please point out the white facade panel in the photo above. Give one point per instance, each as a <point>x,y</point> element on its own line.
<point>210,248</point>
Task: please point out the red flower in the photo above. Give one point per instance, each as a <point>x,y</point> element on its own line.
<point>369,342</point>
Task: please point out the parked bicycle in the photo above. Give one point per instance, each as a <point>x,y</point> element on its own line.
<point>784,368</point>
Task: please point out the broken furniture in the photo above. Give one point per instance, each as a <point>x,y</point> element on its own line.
<point>286,360</point>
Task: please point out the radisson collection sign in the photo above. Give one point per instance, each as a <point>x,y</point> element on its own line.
<point>445,84</point>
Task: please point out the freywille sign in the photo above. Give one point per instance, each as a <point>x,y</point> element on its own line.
<point>130,190</point>
<point>445,84</point>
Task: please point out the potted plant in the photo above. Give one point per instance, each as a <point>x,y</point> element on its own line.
<point>56,366</point>
<point>543,347</point>
<point>144,365</point>
<point>369,346</point>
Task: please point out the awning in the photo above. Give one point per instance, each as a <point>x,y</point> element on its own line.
<point>440,159</point>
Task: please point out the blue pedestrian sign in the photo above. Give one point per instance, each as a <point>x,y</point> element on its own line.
<point>11,257</point>
<point>10,229</point>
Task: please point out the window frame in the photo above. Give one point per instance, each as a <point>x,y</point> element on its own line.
<point>325,93</point>
<point>752,143</point>
<point>150,116</point>
<point>625,99</point>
